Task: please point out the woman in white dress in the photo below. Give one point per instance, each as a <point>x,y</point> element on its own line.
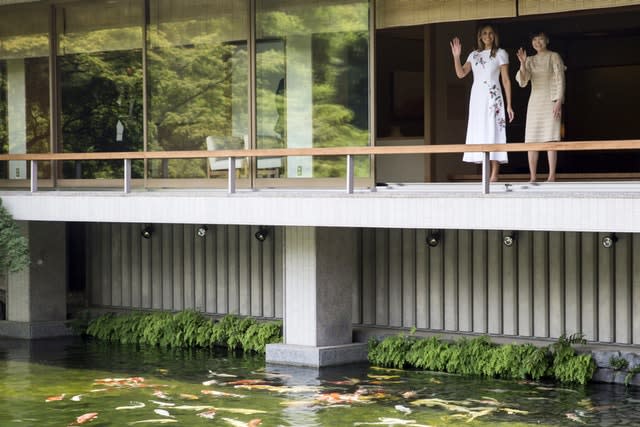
<point>545,70</point>
<point>486,125</point>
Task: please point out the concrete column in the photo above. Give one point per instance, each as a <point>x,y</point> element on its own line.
<point>320,269</point>
<point>36,296</point>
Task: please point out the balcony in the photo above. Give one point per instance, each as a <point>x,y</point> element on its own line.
<point>561,206</point>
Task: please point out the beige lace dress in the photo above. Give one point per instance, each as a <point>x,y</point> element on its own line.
<point>546,73</point>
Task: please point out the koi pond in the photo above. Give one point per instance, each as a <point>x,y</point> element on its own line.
<point>77,382</point>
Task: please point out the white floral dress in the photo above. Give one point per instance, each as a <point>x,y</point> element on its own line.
<point>486,106</point>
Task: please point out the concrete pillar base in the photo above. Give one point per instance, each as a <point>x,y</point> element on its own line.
<point>34,330</point>
<point>316,357</point>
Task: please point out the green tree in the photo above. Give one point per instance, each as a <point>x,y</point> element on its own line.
<point>14,248</point>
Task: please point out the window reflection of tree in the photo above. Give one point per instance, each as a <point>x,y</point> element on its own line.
<point>98,90</point>
<point>191,96</point>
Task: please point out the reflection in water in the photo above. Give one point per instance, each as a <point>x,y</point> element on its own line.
<point>52,382</point>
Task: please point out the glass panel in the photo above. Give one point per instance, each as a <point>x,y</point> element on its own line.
<point>24,87</point>
<point>198,75</point>
<point>100,61</point>
<point>312,83</point>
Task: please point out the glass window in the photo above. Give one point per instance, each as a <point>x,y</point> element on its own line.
<point>24,87</point>
<point>312,82</point>
<point>100,62</point>
<point>197,84</point>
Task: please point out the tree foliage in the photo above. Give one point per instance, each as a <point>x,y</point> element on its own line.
<point>14,247</point>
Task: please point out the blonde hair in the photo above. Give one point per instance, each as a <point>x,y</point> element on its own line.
<point>496,40</point>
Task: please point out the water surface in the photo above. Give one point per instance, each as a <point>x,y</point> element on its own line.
<point>52,382</point>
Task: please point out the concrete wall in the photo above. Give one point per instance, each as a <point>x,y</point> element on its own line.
<point>545,285</point>
<point>227,271</point>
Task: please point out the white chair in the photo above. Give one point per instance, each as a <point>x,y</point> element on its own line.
<point>217,165</point>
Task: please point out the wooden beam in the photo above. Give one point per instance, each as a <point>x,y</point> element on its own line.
<point>630,144</point>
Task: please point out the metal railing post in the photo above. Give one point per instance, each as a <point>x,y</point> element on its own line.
<point>127,176</point>
<point>349,174</point>
<point>231,173</point>
<point>486,167</point>
<point>34,176</point>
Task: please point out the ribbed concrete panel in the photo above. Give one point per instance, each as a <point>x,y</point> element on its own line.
<point>606,293</point>
<point>547,284</point>
<point>225,272</point>
<point>422,286</point>
<point>589,284</point>
<point>525,284</point>
<point>572,297</point>
<point>450,280</point>
<point>408,266</point>
<point>480,281</point>
<point>368,292</point>
<point>494,282</point>
<point>635,288</point>
<point>395,277</point>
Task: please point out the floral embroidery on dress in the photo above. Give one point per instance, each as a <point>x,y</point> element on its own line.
<point>496,96</point>
<point>479,59</point>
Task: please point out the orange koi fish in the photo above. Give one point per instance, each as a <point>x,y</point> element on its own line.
<point>55,398</point>
<point>85,418</point>
<point>189,396</point>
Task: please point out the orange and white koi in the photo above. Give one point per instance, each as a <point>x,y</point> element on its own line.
<point>235,423</point>
<point>55,398</point>
<point>115,382</point>
<point>220,393</point>
<point>160,394</point>
<point>210,414</point>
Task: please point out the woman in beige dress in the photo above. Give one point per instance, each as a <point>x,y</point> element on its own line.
<point>545,70</point>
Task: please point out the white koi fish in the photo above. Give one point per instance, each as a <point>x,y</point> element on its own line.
<point>163,413</point>
<point>134,405</point>
<point>221,375</point>
<point>242,411</point>
<point>403,409</point>
<point>162,403</point>
<point>192,407</point>
<point>391,422</point>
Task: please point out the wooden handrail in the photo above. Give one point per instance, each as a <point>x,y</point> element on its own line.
<point>629,144</point>
<point>348,152</point>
